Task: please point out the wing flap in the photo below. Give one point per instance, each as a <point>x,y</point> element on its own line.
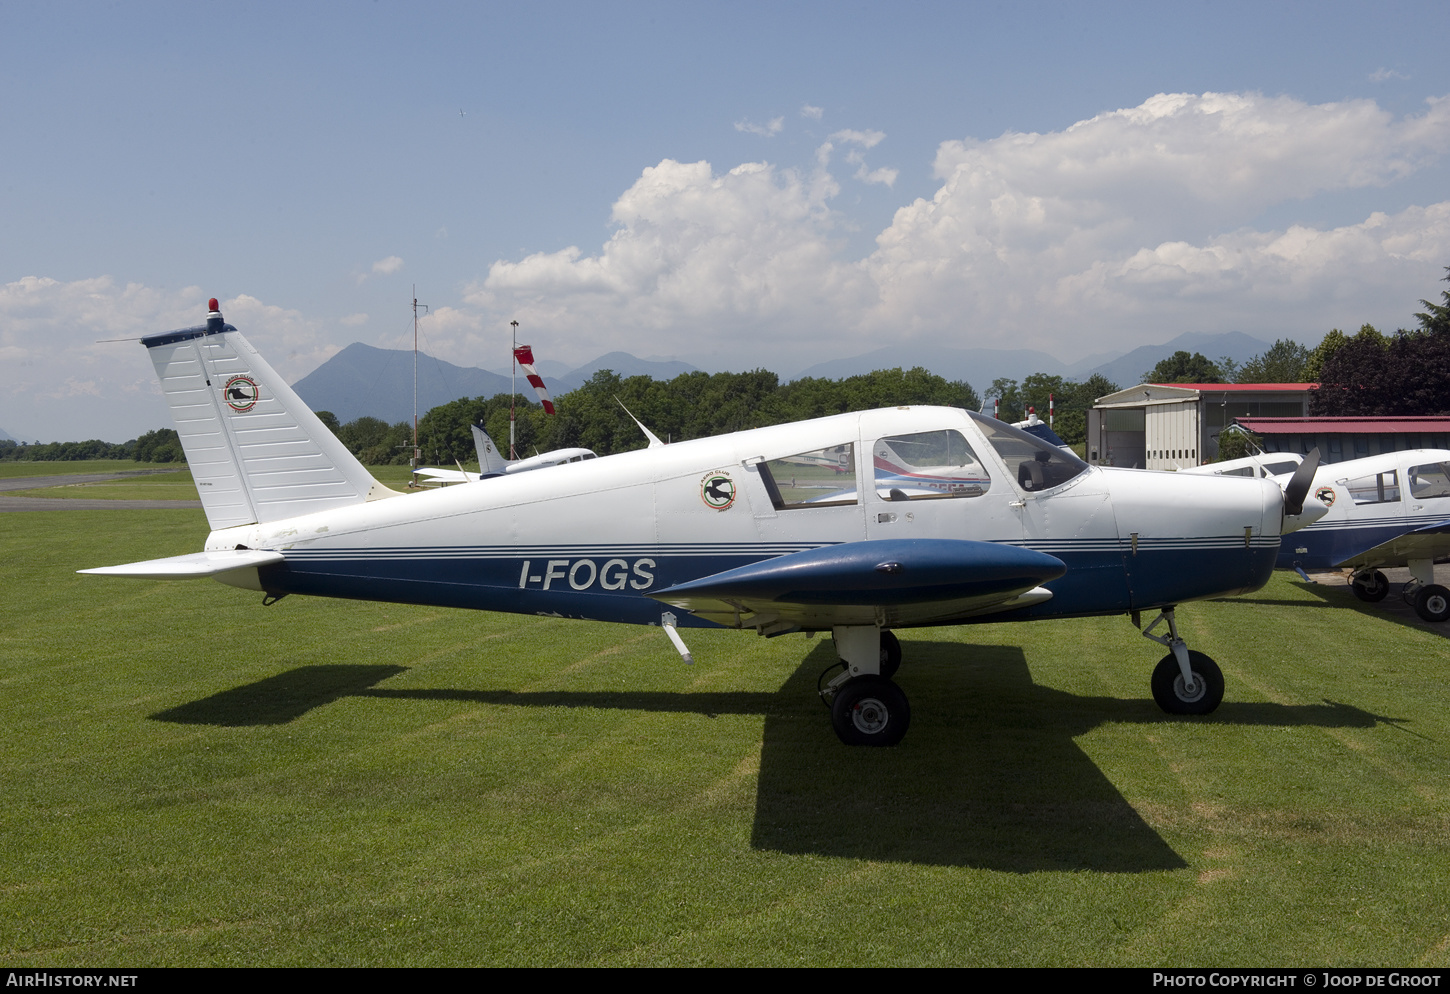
<point>194,566</point>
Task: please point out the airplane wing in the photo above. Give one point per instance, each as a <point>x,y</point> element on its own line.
<point>428,476</point>
<point>1430,541</point>
<point>191,567</point>
<point>895,582</point>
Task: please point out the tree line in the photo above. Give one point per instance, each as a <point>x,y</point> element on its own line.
<point>161,445</point>
<point>692,405</point>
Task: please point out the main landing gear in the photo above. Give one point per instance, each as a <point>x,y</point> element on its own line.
<point>866,707</point>
<point>1430,600</point>
<point>1185,681</point>
<point>1369,585</point>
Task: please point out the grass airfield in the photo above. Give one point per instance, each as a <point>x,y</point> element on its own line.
<point>193,779</point>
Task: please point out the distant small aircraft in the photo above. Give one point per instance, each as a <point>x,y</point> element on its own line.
<point>791,528</point>
<point>1262,464</point>
<point>1392,509</point>
<point>492,463</point>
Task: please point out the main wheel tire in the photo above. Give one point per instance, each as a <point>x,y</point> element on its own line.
<point>1168,689</point>
<point>1433,602</point>
<point>870,711</point>
<point>890,654</point>
<point>1370,587</point>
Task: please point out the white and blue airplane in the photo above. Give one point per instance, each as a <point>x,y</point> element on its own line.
<point>791,528</point>
<point>1391,509</point>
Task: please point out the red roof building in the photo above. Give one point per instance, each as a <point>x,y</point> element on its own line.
<point>1344,438</point>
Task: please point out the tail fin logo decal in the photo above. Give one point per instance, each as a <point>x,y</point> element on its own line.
<point>241,393</point>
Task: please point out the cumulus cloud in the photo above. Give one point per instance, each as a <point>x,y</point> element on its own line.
<point>1382,74</point>
<point>79,372</point>
<point>1125,228</point>
<point>867,139</point>
<point>388,266</point>
<point>814,113</point>
<point>1022,222</point>
<point>770,129</point>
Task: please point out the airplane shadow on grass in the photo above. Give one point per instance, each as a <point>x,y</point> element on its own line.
<point>989,776</point>
<point>1393,608</point>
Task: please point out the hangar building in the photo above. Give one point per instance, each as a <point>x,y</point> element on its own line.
<point>1176,425</point>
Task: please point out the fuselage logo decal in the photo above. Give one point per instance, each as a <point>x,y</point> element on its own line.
<point>241,393</point>
<point>1325,496</point>
<point>717,490</point>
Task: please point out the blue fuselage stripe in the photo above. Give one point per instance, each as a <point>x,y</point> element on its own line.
<point>611,585</point>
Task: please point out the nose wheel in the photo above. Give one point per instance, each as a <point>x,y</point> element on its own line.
<point>1185,681</point>
<point>1176,696</point>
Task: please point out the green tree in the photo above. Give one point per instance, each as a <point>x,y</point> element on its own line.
<point>1008,396</point>
<point>1436,317</point>
<point>1284,362</point>
<point>161,445</point>
<point>1235,443</point>
<point>1328,345</point>
<point>1181,367</point>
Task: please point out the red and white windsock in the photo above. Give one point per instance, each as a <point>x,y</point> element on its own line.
<point>525,357</point>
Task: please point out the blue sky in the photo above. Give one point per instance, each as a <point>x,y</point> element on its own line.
<point>738,185</point>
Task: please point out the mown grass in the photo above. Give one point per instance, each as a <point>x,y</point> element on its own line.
<point>15,470</point>
<point>191,778</point>
<point>177,485</point>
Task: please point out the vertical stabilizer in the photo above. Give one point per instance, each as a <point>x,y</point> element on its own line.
<point>256,452</point>
<point>490,461</point>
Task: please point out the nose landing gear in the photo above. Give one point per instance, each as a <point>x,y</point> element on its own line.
<point>1185,681</point>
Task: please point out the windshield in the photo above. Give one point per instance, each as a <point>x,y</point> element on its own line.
<point>1038,465</point>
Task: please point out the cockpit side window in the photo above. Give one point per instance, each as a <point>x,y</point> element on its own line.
<point>818,478</point>
<point>927,465</point>
<point>1378,488</point>
<point>1038,465</point>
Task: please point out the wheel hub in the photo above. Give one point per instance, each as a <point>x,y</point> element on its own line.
<point>1187,694</point>
<point>870,716</point>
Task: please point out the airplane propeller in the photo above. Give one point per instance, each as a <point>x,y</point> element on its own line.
<point>1298,486</point>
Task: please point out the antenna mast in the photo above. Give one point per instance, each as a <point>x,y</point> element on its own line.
<point>513,368</point>
<point>414,460</point>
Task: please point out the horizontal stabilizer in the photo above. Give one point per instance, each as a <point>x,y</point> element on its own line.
<point>901,578</point>
<point>191,567</point>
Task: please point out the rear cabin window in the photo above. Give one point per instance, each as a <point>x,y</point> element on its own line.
<point>818,478</point>
<point>1430,480</point>
<point>927,465</point>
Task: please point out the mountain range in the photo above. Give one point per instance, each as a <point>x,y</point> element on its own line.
<point>363,380</point>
